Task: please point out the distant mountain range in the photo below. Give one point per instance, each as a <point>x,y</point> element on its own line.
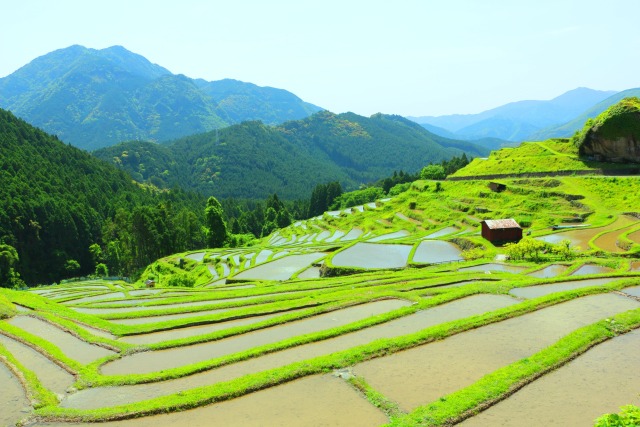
<point>252,160</point>
<point>524,120</point>
<point>96,98</point>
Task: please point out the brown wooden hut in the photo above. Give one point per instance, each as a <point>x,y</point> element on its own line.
<point>501,230</point>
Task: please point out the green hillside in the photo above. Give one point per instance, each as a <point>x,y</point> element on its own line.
<point>56,199</point>
<point>253,160</point>
<point>96,98</point>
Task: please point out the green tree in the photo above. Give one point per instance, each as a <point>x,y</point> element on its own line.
<point>8,259</point>
<point>215,223</point>
<point>433,172</point>
<point>71,266</point>
<point>102,270</point>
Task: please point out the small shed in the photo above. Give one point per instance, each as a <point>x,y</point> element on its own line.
<point>150,283</point>
<point>496,187</point>
<point>501,230</point>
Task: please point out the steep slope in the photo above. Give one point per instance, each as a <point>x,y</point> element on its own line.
<point>252,160</point>
<point>96,98</point>
<point>569,128</point>
<point>516,121</point>
<point>54,198</point>
<point>614,136</point>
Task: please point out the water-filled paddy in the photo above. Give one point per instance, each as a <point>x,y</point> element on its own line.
<point>434,251</point>
<point>196,256</point>
<point>372,255</point>
<point>633,291</point>
<point>442,232</point>
<point>597,382</point>
<point>389,236</point>
<point>153,361</point>
<point>192,331</point>
<point>14,400</point>
<point>549,271</point>
<point>310,273</point>
<point>51,375</point>
<point>281,269</point>
<point>321,400</point>
<point>580,237</point>
<point>353,234</point>
<point>591,269</point>
<point>95,398</point>
<point>423,374</point>
<point>73,347</point>
<point>541,290</point>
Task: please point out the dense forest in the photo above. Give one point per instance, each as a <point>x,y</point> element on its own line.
<point>56,201</point>
<point>252,160</point>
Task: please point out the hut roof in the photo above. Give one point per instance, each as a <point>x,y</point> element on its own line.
<point>496,224</point>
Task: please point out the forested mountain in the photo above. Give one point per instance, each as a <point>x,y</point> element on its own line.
<point>566,130</point>
<point>56,201</point>
<point>253,160</point>
<point>96,98</point>
<point>516,121</point>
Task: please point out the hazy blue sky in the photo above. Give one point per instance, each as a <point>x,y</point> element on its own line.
<point>408,57</point>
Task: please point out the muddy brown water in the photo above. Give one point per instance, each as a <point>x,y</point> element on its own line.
<point>549,271</point>
<point>153,361</point>
<point>320,400</point>
<point>192,331</point>
<point>372,255</point>
<point>608,240</point>
<point>433,251</point>
<point>14,404</point>
<point>423,374</point>
<point>541,290</point>
<point>591,269</point>
<point>597,382</point>
<point>110,396</point>
<point>634,237</point>
<point>52,376</point>
<point>581,237</point>
<point>73,347</point>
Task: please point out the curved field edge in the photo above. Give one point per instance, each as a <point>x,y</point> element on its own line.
<point>230,389</point>
<point>500,384</point>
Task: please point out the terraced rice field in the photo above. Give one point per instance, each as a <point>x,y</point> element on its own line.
<point>400,331</point>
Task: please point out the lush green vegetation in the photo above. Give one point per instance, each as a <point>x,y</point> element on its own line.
<point>253,160</point>
<point>619,120</point>
<point>115,95</point>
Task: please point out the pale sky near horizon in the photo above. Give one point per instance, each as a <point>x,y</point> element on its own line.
<point>406,57</point>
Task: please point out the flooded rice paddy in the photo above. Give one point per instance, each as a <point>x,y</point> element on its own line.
<point>421,375</point>
<point>591,269</point>
<point>281,269</point>
<point>597,382</point>
<point>14,404</point>
<point>321,400</point>
<point>73,347</point>
<point>541,290</point>
<point>552,270</point>
<point>435,251</point>
<point>154,361</point>
<point>51,375</point>
<point>109,396</point>
<point>372,255</point>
